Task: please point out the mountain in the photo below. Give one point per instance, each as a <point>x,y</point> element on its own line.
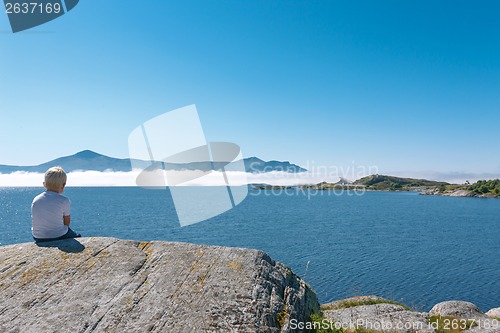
<point>256,165</point>
<point>381,182</point>
<point>84,160</point>
<point>88,160</point>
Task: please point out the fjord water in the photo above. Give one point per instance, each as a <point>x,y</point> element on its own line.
<point>416,249</point>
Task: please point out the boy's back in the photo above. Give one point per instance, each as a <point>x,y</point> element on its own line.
<point>48,209</point>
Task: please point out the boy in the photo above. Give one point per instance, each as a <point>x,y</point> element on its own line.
<point>50,211</point>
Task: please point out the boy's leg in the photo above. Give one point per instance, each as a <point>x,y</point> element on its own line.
<point>69,234</point>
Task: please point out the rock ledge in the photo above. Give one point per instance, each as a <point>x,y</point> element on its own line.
<point>112,285</point>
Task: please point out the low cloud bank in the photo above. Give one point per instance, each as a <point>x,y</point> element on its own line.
<point>77,178</point>
<point>111,178</point>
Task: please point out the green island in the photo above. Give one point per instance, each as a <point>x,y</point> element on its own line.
<point>481,188</point>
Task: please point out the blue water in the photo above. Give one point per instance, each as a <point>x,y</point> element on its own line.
<point>419,250</point>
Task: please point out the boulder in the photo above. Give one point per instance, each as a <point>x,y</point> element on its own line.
<point>494,313</point>
<point>467,311</point>
<point>384,317</point>
<point>459,309</point>
<point>112,285</point>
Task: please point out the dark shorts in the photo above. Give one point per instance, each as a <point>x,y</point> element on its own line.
<point>69,234</point>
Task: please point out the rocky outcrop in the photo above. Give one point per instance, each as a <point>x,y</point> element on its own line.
<point>111,285</point>
<point>467,311</point>
<point>380,315</point>
<point>375,313</point>
<point>456,193</point>
<point>494,313</point>
<point>458,309</point>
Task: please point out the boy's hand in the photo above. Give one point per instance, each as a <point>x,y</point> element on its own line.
<point>66,220</point>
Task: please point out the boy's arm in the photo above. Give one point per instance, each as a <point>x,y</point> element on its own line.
<point>67,220</point>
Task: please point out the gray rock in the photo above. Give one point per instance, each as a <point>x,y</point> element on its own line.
<point>461,193</point>
<point>460,309</point>
<point>489,325</point>
<point>467,311</point>
<point>386,317</point>
<point>379,317</point>
<point>111,285</point>
<point>494,313</point>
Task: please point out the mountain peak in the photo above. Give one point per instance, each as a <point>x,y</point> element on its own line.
<point>253,159</point>
<point>87,154</point>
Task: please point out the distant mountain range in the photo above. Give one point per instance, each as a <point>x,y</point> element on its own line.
<point>88,160</point>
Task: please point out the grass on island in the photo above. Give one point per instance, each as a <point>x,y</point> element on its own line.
<point>449,324</point>
<point>358,302</point>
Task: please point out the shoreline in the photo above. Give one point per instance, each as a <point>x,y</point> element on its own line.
<point>427,191</point>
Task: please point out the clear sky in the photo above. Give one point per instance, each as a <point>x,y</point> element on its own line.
<point>412,87</point>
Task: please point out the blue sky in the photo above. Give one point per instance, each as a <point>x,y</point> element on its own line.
<point>409,87</point>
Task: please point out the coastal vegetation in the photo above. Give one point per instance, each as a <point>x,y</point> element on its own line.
<point>486,187</point>
<point>482,188</point>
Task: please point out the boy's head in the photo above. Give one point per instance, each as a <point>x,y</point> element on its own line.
<point>55,179</point>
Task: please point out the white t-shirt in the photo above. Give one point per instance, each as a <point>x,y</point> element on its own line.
<point>47,211</point>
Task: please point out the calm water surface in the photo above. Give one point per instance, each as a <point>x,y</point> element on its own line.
<point>416,249</point>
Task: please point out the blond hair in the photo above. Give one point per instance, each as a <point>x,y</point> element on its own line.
<point>55,178</point>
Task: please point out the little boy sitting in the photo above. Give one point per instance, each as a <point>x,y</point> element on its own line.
<point>50,211</point>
